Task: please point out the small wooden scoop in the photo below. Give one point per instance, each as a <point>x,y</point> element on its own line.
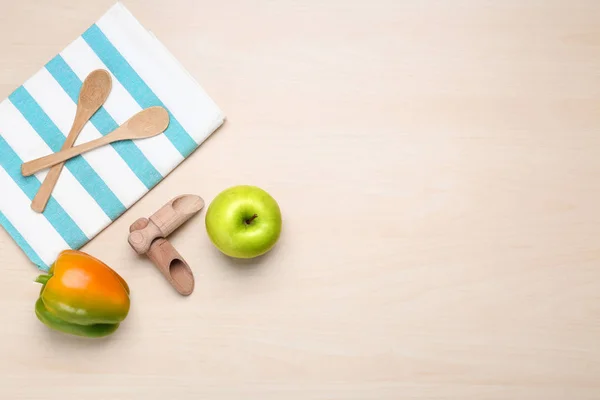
<point>92,95</point>
<point>148,236</point>
<point>168,261</point>
<point>145,124</point>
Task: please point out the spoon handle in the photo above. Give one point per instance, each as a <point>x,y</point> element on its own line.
<point>33,166</point>
<point>38,204</point>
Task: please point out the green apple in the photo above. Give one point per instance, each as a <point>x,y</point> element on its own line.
<point>243,221</point>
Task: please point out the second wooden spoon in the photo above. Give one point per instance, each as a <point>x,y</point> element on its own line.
<point>93,94</point>
<point>145,124</point>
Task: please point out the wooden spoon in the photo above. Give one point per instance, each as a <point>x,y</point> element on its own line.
<point>93,94</point>
<point>145,124</point>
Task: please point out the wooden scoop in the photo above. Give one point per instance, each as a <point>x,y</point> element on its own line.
<point>168,261</point>
<point>93,94</point>
<point>145,124</point>
<point>149,236</point>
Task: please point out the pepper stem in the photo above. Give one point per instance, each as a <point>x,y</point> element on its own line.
<point>43,279</point>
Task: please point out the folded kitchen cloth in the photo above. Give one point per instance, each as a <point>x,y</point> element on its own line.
<point>97,187</point>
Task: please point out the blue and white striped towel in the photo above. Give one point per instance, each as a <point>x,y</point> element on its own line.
<point>96,188</point>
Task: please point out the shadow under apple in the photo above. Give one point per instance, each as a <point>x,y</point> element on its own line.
<point>251,264</point>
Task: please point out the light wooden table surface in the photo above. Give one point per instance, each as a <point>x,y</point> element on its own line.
<point>438,168</point>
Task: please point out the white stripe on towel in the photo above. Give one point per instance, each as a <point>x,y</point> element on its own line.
<point>121,106</point>
<point>34,227</point>
<point>181,94</point>
<point>69,193</point>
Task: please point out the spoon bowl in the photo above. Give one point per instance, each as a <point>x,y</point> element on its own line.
<point>147,123</point>
<point>95,90</point>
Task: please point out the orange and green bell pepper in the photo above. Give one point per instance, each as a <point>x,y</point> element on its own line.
<point>82,296</point>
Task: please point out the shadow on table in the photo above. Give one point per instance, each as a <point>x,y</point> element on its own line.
<point>252,264</point>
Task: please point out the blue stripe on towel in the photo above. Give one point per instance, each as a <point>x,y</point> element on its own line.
<point>133,156</point>
<point>78,166</point>
<point>135,85</point>
<point>54,213</point>
<point>14,233</point>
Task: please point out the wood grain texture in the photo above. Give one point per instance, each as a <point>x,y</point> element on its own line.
<point>92,95</point>
<point>160,251</point>
<point>166,220</point>
<point>437,167</point>
<point>147,123</point>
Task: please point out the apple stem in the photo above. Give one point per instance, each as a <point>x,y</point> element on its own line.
<point>249,220</point>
